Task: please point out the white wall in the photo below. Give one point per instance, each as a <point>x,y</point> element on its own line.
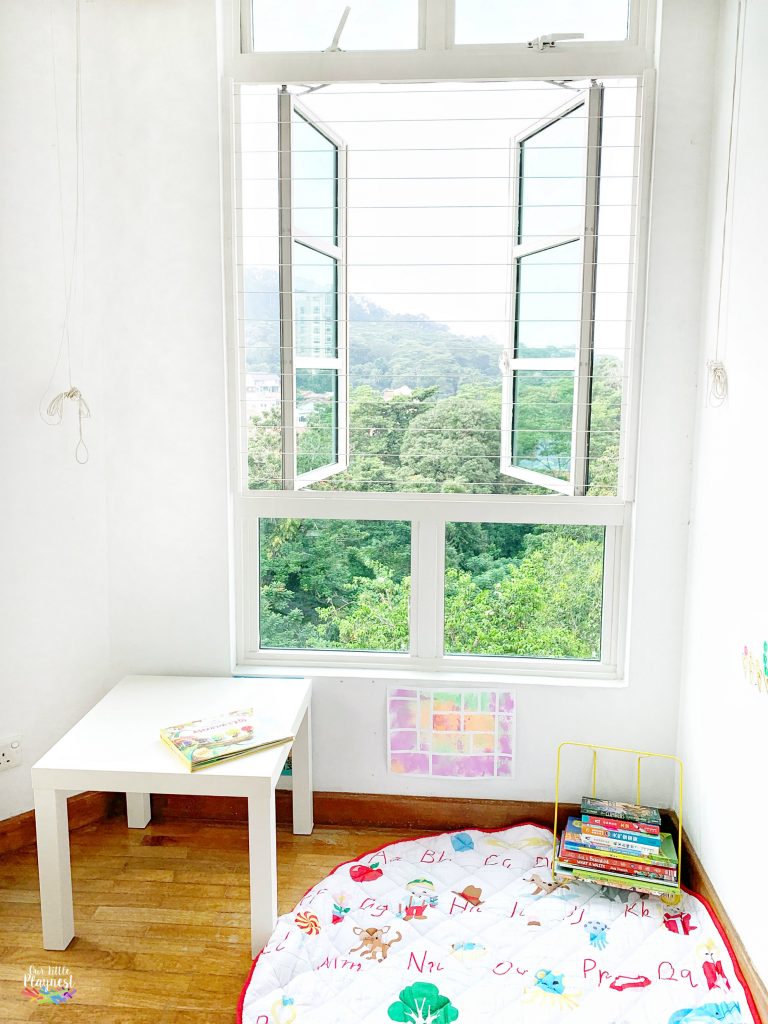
<point>121,565</point>
<point>156,209</point>
<point>723,719</point>
<point>53,586</point>
<point>152,152</point>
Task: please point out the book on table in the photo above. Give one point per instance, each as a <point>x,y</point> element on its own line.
<point>208,741</point>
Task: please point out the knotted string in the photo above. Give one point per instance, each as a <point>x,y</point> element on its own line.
<point>55,412</point>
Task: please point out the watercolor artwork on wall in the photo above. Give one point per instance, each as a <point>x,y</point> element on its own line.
<point>458,733</point>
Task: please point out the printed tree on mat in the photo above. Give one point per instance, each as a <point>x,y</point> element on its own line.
<point>421,1003</point>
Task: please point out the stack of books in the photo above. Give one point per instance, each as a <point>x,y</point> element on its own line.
<point>620,845</point>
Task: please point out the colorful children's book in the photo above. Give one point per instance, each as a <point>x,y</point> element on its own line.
<point>618,811</point>
<point>626,826</point>
<point>208,741</point>
<point>653,887</point>
<point>596,862</point>
<point>620,836</point>
<point>576,842</point>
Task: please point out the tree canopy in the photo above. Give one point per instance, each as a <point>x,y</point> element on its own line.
<point>510,589</point>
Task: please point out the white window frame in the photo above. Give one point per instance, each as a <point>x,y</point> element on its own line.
<point>581,364</point>
<point>428,515</point>
<point>437,56</point>
<point>436,60</point>
<point>290,359</point>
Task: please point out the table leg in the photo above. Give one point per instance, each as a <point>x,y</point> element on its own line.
<point>139,809</point>
<point>262,854</point>
<point>52,827</point>
<point>301,759</point>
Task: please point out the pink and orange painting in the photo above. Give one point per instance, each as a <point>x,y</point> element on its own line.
<point>463,733</point>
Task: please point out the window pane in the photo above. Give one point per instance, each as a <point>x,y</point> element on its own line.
<point>334,584</point>
<point>314,302</point>
<point>549,303</point>
<point>522,590</point>
<point>613,288</point>
<point>605,425</point>
<point>517,21</point>
<point>314,172</point>
<point>311,24</point>
<point>430,303</point>
<point>542,421</point>
<point>553,166</point>
<point>316,419</point>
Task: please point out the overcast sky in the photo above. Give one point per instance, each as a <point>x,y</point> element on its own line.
<point>429,193</point>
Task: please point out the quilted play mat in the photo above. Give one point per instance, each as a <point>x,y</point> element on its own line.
<point>470,927</point>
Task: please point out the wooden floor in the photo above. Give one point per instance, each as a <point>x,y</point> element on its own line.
<point>161,917</point>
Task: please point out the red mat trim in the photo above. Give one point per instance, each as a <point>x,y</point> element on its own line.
<point>490,831</point>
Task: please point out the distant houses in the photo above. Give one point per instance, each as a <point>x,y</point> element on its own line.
<point>262,393</point>
<point>402,392</point>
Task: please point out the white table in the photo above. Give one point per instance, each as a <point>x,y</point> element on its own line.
<point>117,747</point>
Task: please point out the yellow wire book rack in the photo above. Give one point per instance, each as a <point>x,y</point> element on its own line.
<point>670,893</point>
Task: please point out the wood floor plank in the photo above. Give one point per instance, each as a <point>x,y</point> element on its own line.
<point>154,909</point>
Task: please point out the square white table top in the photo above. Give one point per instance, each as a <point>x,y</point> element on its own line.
<point>117,745</point>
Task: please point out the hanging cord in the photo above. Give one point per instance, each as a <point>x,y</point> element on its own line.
<point>718,377</point>
<point>718,383</point>
<point>52,414</point>
<point>55,412</point>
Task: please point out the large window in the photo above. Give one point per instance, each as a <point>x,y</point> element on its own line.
<point>436,293</point>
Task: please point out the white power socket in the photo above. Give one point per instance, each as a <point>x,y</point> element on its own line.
<point>10,752</point>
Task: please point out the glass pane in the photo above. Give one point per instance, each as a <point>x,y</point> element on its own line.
<point>314,171</point>
<point>334,584</point>
<point>314,303</point>
<point>549,303</point>
<point>553,166</point>
<point>517,21</point>
<point>317,419</point>
<point>605,425</point>
<point>613,288</point>
<point>264,442</point>
<point>522,590</point>
<point>430,303</point>
<point>542,421</point>
<point>311,24</point>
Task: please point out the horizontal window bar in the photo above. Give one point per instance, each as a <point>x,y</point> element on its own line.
<point>562,509</point>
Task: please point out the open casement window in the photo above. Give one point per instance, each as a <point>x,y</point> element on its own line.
<point>313,297</point>
<point>547,365</point>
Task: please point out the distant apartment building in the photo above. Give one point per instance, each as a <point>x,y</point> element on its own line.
<point>315,337</point>
<point>315,324</point>
<point>262,393</point>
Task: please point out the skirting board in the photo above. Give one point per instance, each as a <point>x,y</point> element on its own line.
<point>350,810</point>
<point>84,809</point>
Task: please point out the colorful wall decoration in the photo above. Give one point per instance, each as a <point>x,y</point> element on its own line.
<point>459,733</point>
<point>755,667</point>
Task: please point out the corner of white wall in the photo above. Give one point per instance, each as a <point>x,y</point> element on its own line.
<point>723,719</point>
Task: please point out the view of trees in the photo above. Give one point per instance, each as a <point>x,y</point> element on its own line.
<point>518,590</point>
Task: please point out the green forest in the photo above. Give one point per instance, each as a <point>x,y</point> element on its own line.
<point>526,591</point>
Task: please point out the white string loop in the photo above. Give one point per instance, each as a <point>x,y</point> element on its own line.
<point>55,412</point>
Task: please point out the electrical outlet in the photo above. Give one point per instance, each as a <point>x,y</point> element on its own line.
<point>10,752</point>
